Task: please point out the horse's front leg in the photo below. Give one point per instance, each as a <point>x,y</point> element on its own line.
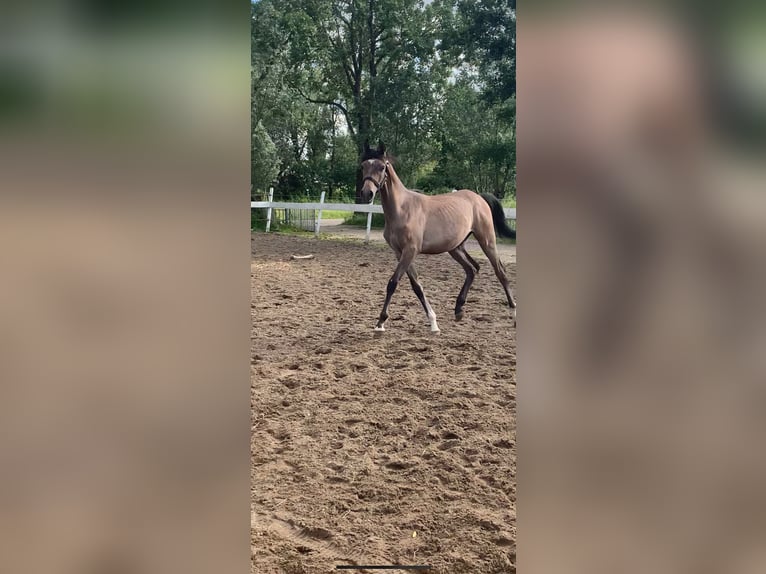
<point>405,259</point>
<point>418,289</point>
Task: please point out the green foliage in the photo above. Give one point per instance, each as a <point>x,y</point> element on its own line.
<point>263,160</point>
<point>478,145</point>
<point>342,167</point>
<point>435,81</point>
<point>483,35</point>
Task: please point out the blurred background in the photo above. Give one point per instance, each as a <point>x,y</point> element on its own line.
<point>124,176</point>
<point>642,329</point>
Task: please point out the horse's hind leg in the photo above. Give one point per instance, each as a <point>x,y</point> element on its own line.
<point>470,266</point>
<point>490,250</point>
<point>418,289</point>
<point>471,260</point>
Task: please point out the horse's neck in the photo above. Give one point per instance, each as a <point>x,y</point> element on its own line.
<point>393,194</point>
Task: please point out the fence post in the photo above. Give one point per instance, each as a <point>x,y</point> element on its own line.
<point>268,211</point>
<point>369,224</point>
<point>318,221</point>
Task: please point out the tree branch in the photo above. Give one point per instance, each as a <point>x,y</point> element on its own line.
<point>337,45</point>
<point>338,105</point>
<point>342,57</point>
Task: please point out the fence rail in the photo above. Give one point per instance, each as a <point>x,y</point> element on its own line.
<point>369,209</point>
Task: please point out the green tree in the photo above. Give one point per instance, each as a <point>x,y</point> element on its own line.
<point>477,142</point>
<point>373,61</point>
<point>434,80</point>
<point>482,44</point>
<point>484,35</point>
<point>263,160</point>
<point>296,127</point>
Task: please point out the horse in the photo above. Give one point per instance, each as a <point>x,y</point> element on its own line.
<point>418,223</point>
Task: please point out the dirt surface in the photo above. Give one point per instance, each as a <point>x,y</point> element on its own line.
<point>378,448</point>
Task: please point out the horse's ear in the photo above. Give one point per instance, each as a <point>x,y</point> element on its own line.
<point>381,147</point>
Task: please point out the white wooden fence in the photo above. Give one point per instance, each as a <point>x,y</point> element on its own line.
<point>369,209</point>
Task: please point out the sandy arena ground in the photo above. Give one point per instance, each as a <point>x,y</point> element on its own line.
<point>379,449</point>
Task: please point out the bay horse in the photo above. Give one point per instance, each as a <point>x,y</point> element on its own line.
<point>417,223</point>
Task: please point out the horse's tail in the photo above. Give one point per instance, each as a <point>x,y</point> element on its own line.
<point>498,216</point>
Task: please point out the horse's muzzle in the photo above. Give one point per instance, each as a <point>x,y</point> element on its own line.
<point>366,195</point>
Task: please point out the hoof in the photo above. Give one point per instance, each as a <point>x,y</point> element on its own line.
<point>459,316</point>
<point>435,330</point>
<point>379,329</point>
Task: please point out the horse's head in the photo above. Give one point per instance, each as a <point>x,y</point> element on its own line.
<point>374,171</point>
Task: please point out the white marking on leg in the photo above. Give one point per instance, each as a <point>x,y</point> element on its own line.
<point>380,329</point>
<point>432,320</point>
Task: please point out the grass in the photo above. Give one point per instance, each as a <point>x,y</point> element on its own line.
<point>330,214</point>
<point>360,220</point>
<point>258,220</point>
<point>258,223</point>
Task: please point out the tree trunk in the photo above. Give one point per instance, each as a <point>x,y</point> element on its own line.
<point>372,64</point>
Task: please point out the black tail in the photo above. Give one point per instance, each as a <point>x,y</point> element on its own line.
<point>498,216</point>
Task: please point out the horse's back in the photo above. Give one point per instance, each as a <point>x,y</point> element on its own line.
<point>464,196</point>
<point>469,193</point>
<point>464,201</point>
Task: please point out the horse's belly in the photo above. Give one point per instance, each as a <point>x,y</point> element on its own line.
<point>441,245</point>
<point>439,239</point>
